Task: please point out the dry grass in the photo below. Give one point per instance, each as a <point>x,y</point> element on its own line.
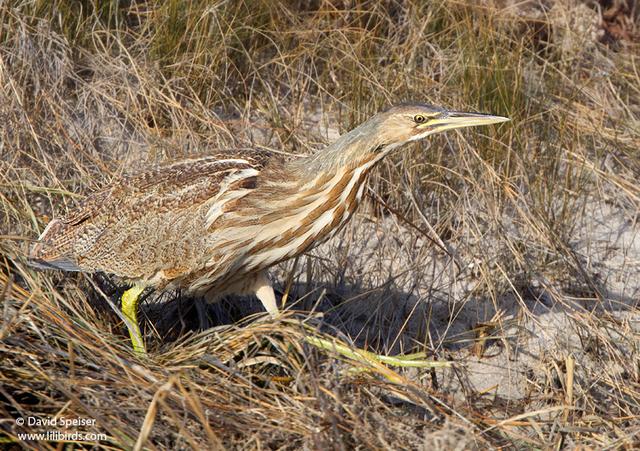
<point>536,302</point>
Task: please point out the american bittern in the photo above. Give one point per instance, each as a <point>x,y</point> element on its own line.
<point>214,225</point>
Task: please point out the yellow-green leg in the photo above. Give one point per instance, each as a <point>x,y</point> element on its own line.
<point>130,300</point>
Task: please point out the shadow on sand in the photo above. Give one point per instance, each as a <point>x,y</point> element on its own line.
<point>384,319</point>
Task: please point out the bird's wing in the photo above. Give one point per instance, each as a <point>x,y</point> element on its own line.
<point>117,227</point>
<point>168,186</point>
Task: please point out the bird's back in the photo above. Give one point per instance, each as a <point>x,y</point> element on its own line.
<point>149,225</point>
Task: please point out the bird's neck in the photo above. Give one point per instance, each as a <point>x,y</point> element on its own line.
<point>291,217</point>
<point>362,144</point>
<point>338,172</point>
<point>304,202</point>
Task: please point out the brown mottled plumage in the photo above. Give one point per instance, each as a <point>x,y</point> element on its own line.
<point>213,225</point>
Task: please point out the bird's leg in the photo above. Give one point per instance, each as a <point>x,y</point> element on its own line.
<point>264,291</point>
<point>130,300</point>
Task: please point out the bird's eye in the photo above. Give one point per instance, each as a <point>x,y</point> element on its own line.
<point>419,119</point>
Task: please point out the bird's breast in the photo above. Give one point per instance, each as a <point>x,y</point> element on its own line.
<point>270,227</point>
<point>321,211</point>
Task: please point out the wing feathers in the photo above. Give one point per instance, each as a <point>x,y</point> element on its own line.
<point>100,233</point>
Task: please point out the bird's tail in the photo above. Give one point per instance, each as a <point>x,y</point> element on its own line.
<point>53,249</point>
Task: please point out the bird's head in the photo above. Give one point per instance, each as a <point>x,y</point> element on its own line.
<point>404,123</point>
<point>387,130</point>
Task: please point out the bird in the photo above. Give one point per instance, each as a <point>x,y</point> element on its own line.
<point>214,225</point>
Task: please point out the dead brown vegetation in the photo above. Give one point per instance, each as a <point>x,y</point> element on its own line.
<point>535,303</point>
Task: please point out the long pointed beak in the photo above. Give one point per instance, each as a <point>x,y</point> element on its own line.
<point>458,119</point>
